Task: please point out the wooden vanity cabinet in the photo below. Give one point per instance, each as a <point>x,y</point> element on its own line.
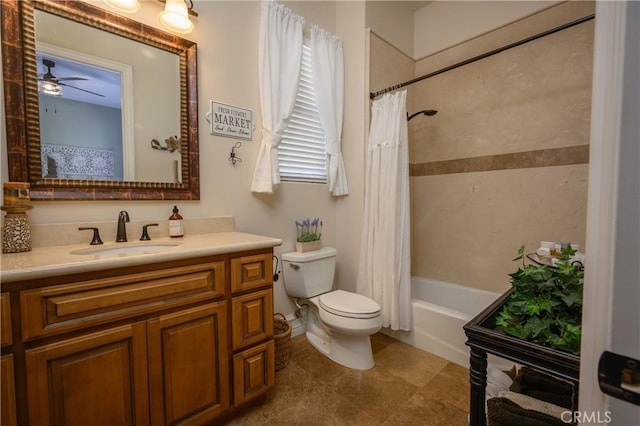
<point>252,327</point>
<point>146,345</point>
<point>8,414</point>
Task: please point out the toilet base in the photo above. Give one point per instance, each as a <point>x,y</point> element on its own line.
<point>355,354</point>
<point>347,350</point>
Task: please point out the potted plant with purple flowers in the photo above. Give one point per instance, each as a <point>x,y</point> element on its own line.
<point>308,235</point>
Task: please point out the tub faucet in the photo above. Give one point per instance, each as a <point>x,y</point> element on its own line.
<point>123,218</point>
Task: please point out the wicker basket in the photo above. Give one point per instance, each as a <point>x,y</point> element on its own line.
<point>282,335</point>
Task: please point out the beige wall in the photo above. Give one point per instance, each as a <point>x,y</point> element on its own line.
<point>533,99</point>
<point>442,24</point>
<point>503,163</point>
<point>350,26</point>
<point>391,66</point>
<point>393,21</point>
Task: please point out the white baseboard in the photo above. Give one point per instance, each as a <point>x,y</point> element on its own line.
<point>298,325</point>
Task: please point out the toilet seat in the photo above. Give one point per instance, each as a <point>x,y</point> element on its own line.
<point>350,305</point>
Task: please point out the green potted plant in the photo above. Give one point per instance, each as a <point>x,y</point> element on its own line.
<point>308,235</point>
<point>545,306</point>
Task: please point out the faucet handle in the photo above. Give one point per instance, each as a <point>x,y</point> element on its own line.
<point>96,235</point>
<point>145,234</point>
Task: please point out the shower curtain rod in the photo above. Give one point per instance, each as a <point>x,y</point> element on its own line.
<point>374,95</point>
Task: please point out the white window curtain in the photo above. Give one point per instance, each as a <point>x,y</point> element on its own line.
<point>385,258</point>
<point>280,54</point>
<point>327,64</point>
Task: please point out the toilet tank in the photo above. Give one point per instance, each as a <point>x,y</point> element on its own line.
<point>309,274</point>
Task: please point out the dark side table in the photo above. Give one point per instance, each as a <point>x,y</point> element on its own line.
<point>482,338</point>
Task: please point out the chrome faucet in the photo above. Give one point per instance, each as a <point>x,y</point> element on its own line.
<point>123,218</point>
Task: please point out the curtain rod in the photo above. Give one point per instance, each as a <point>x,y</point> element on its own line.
<point>373,95</point>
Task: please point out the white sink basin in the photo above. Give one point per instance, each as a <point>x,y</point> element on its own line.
<point>125,249</point>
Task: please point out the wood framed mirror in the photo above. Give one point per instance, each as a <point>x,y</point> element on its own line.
<point>29,61</point>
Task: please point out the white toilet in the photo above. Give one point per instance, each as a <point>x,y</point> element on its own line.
<point>339,322</point>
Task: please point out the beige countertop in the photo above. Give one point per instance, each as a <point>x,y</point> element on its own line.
<point>44,262</point>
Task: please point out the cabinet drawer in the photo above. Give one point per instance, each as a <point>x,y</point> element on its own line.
<point>252,318</point>
<point>250,272</point>
<point>52,310</point>
<point>253,372</point>
<point>5,317</point>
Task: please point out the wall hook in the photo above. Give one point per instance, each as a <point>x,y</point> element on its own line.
<point>233,157</point>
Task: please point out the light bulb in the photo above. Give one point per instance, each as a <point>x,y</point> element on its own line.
<point>176,17</point>
<point>125,6</point>
<point>50,88</point>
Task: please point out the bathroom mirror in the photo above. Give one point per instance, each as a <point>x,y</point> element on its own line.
<point>140,142</point>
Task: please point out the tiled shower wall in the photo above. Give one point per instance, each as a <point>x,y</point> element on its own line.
<point>505,160</point>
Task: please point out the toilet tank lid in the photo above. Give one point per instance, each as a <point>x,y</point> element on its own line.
<point>308,256</point>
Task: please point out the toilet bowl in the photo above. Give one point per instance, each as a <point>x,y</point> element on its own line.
<point>349,313</point>
<point>339,323</point>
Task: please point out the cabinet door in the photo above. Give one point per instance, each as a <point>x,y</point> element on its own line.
<point>98,379</point>
<point>252,318</point>
<point>5,321</point>
<point>251,272</point>
<point>7,392</point>
<point>253,372</point>
<point>189,365</point>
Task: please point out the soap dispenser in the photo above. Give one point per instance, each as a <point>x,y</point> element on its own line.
<point>175,224</point>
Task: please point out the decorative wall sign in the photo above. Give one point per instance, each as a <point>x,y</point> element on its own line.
<point>230,121</point>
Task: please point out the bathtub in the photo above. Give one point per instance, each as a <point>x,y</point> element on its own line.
<point>440,309</point>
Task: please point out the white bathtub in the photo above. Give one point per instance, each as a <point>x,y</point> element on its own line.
<point>440,310</point>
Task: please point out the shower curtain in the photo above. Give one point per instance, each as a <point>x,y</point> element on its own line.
<point>385,259</point>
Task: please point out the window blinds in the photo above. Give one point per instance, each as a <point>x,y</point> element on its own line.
<point>301,153</point>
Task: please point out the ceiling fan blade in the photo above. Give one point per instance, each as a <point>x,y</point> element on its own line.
<point>77,88</point>
<point>69,78</point>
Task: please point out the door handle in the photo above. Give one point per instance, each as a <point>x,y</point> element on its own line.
<point>619,376</point>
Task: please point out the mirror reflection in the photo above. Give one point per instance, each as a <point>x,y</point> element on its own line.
<point>81,134</point>
<point>101,115</point>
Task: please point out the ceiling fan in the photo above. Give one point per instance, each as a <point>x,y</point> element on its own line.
<point>50,84</point>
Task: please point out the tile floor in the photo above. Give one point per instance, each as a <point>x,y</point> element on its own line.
<point>406,387</point>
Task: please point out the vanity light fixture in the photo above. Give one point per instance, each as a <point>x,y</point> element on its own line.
<point>50,88</point>
<point>175,16</point>
<point>125,6</point>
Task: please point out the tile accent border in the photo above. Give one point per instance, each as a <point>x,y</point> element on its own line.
<point>517,160</point>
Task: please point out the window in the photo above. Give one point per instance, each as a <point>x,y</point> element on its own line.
<point>301,152</point>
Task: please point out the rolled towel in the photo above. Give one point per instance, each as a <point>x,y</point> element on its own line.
<point>543,386</point>
<point>530,403</point>
<point>547,244</point>
<point>504,412</point>
<point>543,251</point>
<point>498,377</point>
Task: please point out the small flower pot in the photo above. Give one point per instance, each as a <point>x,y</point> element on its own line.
<point>308,246</point>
